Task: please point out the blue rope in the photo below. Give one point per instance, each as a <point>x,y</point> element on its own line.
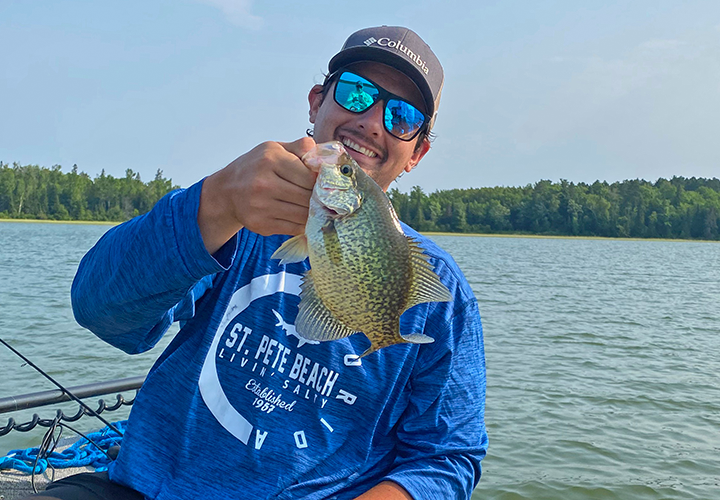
<point>81,454</point>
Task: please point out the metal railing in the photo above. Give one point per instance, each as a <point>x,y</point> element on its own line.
<point>54,396</point>
<point>44,398</point>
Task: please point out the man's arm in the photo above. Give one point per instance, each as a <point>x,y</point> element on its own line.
<point>128,285</point>
<point>441,434</point>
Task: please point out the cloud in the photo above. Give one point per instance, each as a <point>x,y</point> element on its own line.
<point>237,12</point>
<point>598,82</point>
<point>654,103</point>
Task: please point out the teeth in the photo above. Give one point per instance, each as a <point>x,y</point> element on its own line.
<point>357,147</point>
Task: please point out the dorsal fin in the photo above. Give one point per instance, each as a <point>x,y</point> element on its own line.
<point>314,320</point>
<point>426,286</point>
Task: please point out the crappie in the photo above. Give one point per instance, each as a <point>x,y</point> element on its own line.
<point>364,271</point>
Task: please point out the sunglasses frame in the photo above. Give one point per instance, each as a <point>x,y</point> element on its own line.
<point>383,95</point>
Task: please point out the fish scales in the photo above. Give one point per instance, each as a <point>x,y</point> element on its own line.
<point>364,271</point>
<point>375,271</point>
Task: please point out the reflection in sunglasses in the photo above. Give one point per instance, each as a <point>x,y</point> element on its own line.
<point>359,100</point>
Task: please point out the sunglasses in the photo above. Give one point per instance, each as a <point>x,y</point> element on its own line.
<point>357,94</point>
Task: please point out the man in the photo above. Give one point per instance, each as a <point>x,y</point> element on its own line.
<point>359,100</point>
<point>238,405</point>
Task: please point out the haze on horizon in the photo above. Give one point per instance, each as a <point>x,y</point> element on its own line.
<point>553,90</point>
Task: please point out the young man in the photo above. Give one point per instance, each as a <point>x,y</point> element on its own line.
<point>359,100</point>
<point>239,406</point>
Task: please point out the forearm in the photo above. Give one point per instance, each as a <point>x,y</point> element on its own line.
<point>387,490</point>
<point>127,284</point>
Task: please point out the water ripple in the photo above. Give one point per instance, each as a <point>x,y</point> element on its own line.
<point>603,366</point>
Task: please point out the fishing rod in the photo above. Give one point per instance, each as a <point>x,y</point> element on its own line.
<point>72,396</point>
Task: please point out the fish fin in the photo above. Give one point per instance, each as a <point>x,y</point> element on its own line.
<point>293,250</point>
<point>411,338</point>
<point>426,286</point>
<point>417,338</point>
<point>314,320</point>
<point>395,218</point>
<point>369,350</point>
<point>333,249</point>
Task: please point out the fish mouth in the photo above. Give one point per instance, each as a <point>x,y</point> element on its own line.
<point>331,212</point>
<point>329,187</point>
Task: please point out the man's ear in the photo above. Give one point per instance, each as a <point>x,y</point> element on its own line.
<point>315,98</point>
<point>418,155</point>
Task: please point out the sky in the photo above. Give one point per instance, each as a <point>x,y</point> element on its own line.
<point>556,89</point>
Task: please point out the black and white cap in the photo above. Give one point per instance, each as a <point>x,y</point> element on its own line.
<point>402,49</point>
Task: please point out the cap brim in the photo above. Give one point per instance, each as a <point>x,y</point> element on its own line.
<point>375,54</point>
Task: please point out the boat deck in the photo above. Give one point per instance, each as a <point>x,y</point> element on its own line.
<point>15,484</point>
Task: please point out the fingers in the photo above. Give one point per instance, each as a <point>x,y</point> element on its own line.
<point>292,193</point>
<point>296,172</point>
<point>299,147</point>
<point>286,227</point>
<point>291,213</point>
<point>280,218</point>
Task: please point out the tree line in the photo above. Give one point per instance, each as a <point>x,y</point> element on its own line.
<point>33,192</point>
<point>677,208</point>
<point>681,207</point>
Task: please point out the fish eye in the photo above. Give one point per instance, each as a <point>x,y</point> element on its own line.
<point>346,170</point>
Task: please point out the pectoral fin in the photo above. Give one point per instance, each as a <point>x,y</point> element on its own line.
<point>426,286</point>
<point>293,250</point>
<point>333,249</point>
<point>314,320</point>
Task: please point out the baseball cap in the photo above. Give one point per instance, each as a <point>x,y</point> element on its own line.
<point>404,50</point>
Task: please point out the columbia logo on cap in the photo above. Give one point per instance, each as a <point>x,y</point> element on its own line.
<point>397,45</point>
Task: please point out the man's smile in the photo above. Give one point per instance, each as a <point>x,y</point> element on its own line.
<point>364,153</point>
<point>349,143</point>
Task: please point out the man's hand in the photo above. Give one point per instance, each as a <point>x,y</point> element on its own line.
<point>266,190</point>
<point>387,490</point>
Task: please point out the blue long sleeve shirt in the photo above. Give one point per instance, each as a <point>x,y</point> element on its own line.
<point>239,406</point>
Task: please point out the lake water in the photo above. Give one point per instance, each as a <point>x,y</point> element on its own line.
<point>603,357</point>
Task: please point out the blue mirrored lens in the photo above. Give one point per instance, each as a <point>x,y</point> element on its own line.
<point>402,119</point>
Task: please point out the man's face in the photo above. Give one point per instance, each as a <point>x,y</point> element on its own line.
<point>378,153</point>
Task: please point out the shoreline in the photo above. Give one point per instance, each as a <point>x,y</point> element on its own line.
<point>426,233</point>
<point>49,221</point>
<point>561,237</point>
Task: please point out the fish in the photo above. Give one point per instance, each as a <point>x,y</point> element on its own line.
<point>364,271</point>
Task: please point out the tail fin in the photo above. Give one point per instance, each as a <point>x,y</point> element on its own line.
<point>412,338</point>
